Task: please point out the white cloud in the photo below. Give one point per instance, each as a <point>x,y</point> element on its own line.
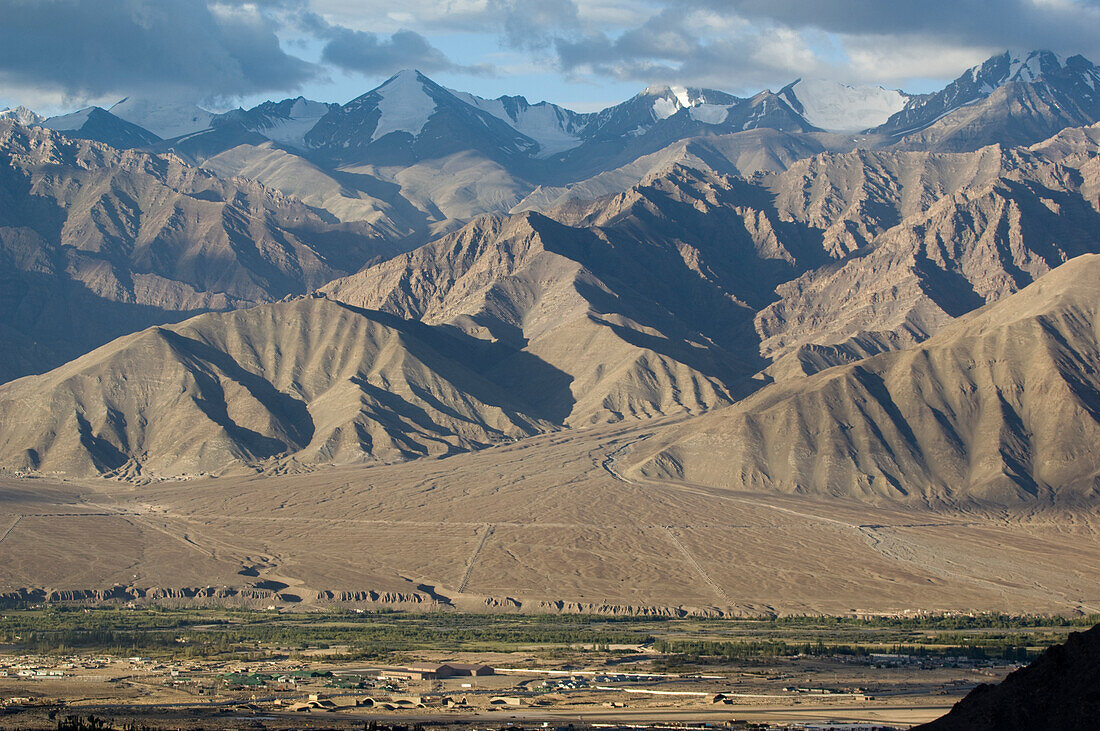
<point>894,59</point>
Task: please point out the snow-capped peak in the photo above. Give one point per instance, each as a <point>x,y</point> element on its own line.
<point>166,119</point>
<point>1032,66</point>
<point>22,115</point>
<point>308,109</point>
<point>290,125</point>
<point>839,107</point>
<point>405,105</point>
<point>668,100</point>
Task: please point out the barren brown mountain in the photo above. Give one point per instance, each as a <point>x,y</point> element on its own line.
<point>96,242</point>
<point>307,380</point>
<point>923,238</point>
<point>707,367</point>
<point>1002,407</point>
<point>644,298</point>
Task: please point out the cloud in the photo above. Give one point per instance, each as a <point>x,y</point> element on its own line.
<point>372,54</point>
<point>194,48</point>
<point>209,49</point>
<point>1063,26</point>
<point>533,24</point>
<point>739,44</point>
<point>697,47</point>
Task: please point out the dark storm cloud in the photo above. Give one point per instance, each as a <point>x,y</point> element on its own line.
<point>88,49</point>
<point>1065,26</point>
<point>371,53</point>
<point>766,41</point>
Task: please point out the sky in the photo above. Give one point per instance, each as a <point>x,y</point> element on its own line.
<point>61,55</point>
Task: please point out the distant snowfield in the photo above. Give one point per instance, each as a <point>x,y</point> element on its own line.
<point>709,113</point>
<point>68,122</point>
<point>405,106</point>
<point>166,120</point>
<point>543,122</point>
<point>841,108</point>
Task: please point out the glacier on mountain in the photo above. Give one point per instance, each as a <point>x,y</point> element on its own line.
<point>68,122</point>
<point>838,107</point>
<point>404,106</point>
<point>166,119</point>
<point>554,128</point>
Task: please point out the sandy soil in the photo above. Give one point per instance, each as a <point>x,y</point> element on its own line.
<point>542,523</point>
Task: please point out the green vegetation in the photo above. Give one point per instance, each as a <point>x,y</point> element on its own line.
<point>245,634</point>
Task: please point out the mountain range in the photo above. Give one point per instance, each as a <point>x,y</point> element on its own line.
<point>828,290</point>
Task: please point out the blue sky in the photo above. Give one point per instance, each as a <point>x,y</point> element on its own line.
<point>58,55</point>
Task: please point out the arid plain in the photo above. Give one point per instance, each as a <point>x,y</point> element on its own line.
<point>547,523</point>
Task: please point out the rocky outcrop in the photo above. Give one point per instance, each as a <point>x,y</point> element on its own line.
<point>1059,691</point>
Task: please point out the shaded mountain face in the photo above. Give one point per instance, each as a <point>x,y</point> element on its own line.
<point>1001,407</point>
<point>1059,690</point>
<point>100,125</point>
<point>645,299</point>
<point>96,242</point>
<point>411,118</point>
<point>1008,100</point>
<point>998,219</point>
<point>305,381</point>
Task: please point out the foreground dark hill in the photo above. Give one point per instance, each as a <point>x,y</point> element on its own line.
<point>1059,691</point>
<point>97,242</point>
<point>1001,407</point>
<point>307,380</point>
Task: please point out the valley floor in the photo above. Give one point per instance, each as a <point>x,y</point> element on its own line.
<point>542,524</point>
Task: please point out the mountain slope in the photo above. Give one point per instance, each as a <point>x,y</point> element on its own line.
<point>347,197</point>
<point>842,108</point>
<point>309,380</point>
<point>1002,407</point>
<point>644,298</point>
<point>22,115</point>
<point>96,242</point>
<point>1001,220</point>
<point>166,119</point>
<point>284,123</point>
<point>554,128</point>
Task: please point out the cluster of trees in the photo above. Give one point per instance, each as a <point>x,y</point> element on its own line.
<point>197,633</point>
<point>715,652</point>
<point>248,634</point>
